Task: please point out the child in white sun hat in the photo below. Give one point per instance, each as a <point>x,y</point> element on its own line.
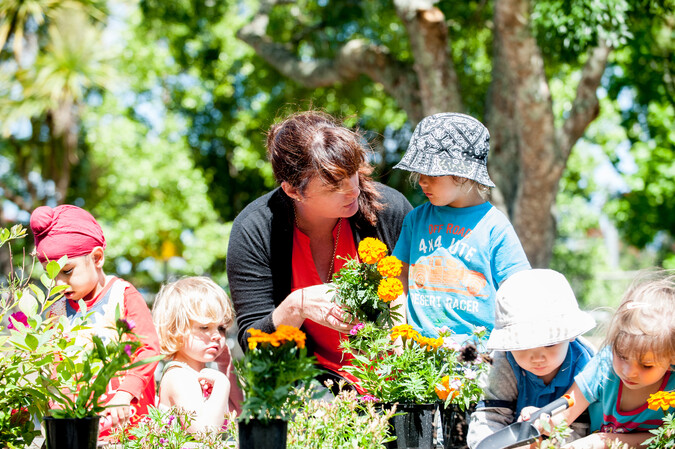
<point>538,350</point>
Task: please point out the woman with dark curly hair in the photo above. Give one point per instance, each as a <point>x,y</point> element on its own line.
<point>285,246</point>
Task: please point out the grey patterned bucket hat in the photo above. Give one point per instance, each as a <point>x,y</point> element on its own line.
<point>536,308</point>
<point>449,144</point>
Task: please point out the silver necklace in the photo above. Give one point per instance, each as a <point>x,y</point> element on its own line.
<point>337,239</point>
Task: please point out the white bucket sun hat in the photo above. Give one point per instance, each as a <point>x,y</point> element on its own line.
<point>536,308</point>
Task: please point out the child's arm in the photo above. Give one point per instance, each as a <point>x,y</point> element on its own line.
<point>224,362</point>
<point>401,300</point>
<point>180,388</point>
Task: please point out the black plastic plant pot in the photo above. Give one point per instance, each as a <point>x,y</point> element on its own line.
<point>258,435</point>
<point>71,433</point>
<point>415,428</point>
<point>455,424</point>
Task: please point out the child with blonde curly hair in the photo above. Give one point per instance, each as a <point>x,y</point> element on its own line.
<point>192,316</point>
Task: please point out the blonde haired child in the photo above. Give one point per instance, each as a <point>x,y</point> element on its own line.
<point>636,361</point>
<point>192,316</point>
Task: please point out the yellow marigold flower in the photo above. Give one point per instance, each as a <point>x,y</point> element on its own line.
<point>661,400</point>
<point>404,331</point>
<point>371,250</point>
<point>389,289</point>
<point>389,266</point>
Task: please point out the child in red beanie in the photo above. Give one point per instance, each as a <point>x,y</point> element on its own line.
<point>71,231</point>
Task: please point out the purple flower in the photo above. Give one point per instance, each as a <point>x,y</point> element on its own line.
<point>126,325</point>
<point>18,317</point>
<point>127,349</point>
<point>355,330</point>
<point>369,398</point>
<point>162,441</point>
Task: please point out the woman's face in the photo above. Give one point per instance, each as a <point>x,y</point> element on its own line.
<point>330,201</point>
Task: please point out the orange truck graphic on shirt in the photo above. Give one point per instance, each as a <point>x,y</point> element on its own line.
<point>446,274</point>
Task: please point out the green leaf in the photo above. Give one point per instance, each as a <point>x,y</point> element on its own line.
<point>46,281</point>
<point>28,304</point>
<point>31,341</point>
<point>53,269</point>
<point>39,294</point>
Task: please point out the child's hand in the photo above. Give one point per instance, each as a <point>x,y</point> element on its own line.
<point>224,360</point>
<point>527,412</point>
<point>119,409</point>
<point>207,378</point>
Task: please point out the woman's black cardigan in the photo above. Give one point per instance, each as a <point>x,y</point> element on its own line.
<point>260,248</point>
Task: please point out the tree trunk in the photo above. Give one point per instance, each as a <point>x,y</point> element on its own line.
<point>528,153</point>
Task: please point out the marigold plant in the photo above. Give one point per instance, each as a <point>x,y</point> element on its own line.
<point>272,373</point>
<point>401,365</point>
<point>366,288</point>
<point>664,436</point>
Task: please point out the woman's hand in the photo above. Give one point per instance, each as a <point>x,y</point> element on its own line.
<point>316,305</point>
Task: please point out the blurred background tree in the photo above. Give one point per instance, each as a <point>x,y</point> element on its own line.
<point>153,114</point>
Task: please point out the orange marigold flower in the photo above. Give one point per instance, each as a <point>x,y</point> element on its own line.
<point>389,266</point>
<point>442,392</point>
<point>371,250</point>
<point>389,289</point>
<point>256,336</point>
<point>289,333</point>
<point>661,400</point>
<point>431,343</point>
<point>404,331</point>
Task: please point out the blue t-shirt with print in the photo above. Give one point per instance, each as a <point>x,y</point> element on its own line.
<point>457,259</point>
<point>602,388</point>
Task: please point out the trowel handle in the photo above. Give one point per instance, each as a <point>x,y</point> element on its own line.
<point>557,406</point>
<point>551,409</point>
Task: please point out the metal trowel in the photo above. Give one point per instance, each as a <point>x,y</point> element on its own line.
<point>524,432</point>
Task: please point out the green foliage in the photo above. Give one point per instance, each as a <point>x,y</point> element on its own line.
<point>413,371</point>
<point>82,376</point>
<point>664,436</point>
<point>168,429</point>
<point>646,209</point>
<point>273,373</point>
<point>557,435</point>
<point>345,422</point>
<point>566,29</point>
<point>28,347</point>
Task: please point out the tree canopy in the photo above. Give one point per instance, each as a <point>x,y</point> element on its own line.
<point>153,114</point>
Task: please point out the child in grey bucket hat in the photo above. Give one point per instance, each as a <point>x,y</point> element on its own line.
<point>457,248</point>
<point>449,143</point>
<point>538,350</point>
